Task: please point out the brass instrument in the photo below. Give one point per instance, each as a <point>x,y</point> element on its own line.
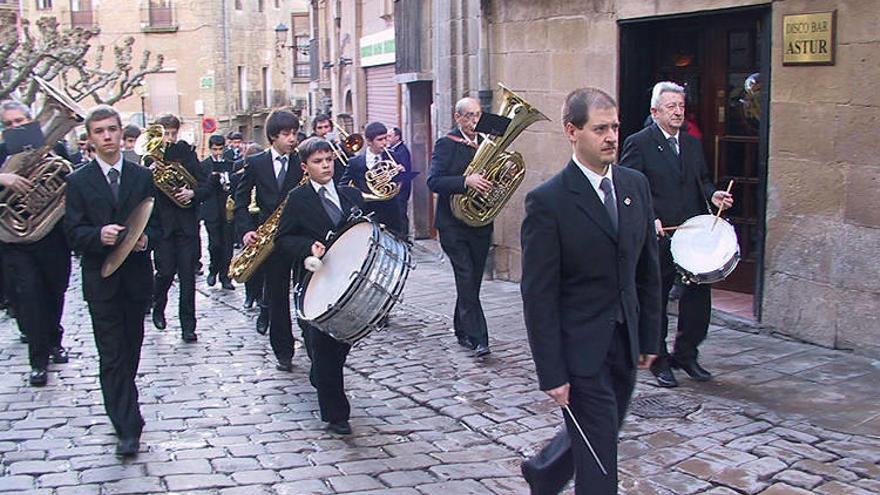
<point>30,216</point>
<point>350,144</point>
<point>253,207</point>
<point>380,179</point>
<point>169,177</point>
<point>506,170</point>
<point>245,264</point>
<point>230,209</point>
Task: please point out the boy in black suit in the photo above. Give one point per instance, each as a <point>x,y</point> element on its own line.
<point>213,210</point>
<point>177,252</point>
<point>273,174</point>
<point>387,211</point>
<point>591,295</point>
<point>466,246</point>
<point>312,211</point>
<point>674,165</point>
<point>100,197</point>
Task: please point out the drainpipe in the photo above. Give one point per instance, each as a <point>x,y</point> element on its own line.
<point>226,61</point>
<point>485,91</point>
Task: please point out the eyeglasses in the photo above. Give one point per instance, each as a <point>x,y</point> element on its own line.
<point>471,115</point>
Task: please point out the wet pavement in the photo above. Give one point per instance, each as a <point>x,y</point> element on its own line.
<point>780,416</point>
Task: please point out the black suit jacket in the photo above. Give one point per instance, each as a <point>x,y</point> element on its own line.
<point>89,207</point>
<point>259,173</point>
<point>304,221</point>
<point>680,188</point>
<point>402,156</point>
<point>576,273</point>
<point>448,162</point>
<point>172,217</point>
<point>213,207</point>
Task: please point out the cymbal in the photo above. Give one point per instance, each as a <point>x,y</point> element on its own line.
<point>135,225</point>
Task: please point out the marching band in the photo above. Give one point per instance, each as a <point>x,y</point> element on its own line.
<point>596,254</point>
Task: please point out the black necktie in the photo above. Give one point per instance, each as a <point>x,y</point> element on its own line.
<point>610,204</point>
<point>673,143</point>
<point>283,172</point>
<point>330,207</point>
<point>113,175</point>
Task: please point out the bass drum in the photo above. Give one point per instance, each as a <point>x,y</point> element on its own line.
<point>703,254</point>
<point>363,273</point>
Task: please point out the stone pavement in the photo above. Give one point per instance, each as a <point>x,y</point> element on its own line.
<point>781,417</point>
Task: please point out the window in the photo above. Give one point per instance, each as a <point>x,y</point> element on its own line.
<point>242,87</point>
<point>237,4</point>
<point>161,14</point>
<point>267,87</point>
<point>277,4</point>
<point>81,14</point>
<point>44,4</point>
<point>259,5</point>
<point>301,66</point>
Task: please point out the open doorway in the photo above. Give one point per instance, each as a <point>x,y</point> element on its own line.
<point>722,58</point>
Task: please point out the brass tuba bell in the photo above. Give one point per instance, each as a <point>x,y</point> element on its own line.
<point>168,176</point>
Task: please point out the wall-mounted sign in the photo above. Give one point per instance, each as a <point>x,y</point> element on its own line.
<point>808,39</point>
<point>206,82</point>
<point>378,48</point>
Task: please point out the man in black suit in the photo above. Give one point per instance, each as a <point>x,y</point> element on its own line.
<point>39,270</point>
<point>387,211</point>
<point>80,157</point>
<point>213,211</point>
<point>273,173</point>
<point>466,246</point>
<point>233,152</point>
<point>674,164</point>
<point>177,252</point>
<point>401,155</point>
<point>100,197</point>
<point>321,127</point>
<point>591,294</point>
<point>312,211</point>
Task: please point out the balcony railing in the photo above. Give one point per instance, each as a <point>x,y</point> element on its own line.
<point>82,18</point>
<point>159,18</point>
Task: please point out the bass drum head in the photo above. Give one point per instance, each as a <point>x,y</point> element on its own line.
<point>697,248</point>
<point>345,256</point>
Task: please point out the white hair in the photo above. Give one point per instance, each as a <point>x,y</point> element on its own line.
<point>8,105</point>
<point>664,87</point>
<point>461,104</point>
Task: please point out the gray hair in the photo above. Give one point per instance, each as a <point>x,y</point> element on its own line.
<point>460,104</point>
<point>664,87</point>
<point>18,106</point>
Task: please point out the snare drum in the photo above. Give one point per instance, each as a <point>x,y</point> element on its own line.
<point>363,273</point>
<point>704,255</point>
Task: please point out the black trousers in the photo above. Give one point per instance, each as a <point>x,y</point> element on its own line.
<point>599,403</point>
<point>41,272</point>
<point>328,357</point>
<point>177,254</point>
<point>467,251</point>
<point>694,312</point>
<point>276,300</point>
<point>118,326</point>
<point>253,288</point>
<point>220,238</point>
<point>388,214</point>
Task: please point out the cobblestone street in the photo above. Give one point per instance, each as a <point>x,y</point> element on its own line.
<point>780,418</point>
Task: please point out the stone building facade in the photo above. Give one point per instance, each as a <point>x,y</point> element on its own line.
<point>798,139</point>
<point>231,60</point>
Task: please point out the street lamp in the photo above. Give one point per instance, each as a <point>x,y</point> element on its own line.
<point>281,31</point>
<point>141,91</point>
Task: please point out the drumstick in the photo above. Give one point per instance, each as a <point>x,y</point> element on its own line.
<point>720,209</point>
<point>586,441</point>
<point>676,227</point>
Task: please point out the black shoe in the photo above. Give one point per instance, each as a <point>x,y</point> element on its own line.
<point>284,365</point>
<point>694,370</point>
<point>466,342</point>
<point>263,322</point>
<point>227,284</point>
<point>38,377</point>
<point>248,302</point>
<point>159,319</point>
<point>189,336</point>
<point>664,376</point>
<point>340,427</point>
<point>212,279</point>
<point>481,350</point>
<point>128,447</point>
<point>59,355</point>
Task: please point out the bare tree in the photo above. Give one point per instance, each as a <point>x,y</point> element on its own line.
<point>55,53</point>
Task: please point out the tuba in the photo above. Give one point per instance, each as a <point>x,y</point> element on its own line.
<point>245,264</point>
<point>28,217</point>
<point>169,177</point>
<point>506,170</point>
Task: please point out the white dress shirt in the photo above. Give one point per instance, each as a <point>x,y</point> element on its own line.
<point>596,179</point>
<point>276,163</point>
<point>105,167</point>
<point>371,158</point>
<point>331,193</point>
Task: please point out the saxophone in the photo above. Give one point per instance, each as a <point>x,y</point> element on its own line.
<point>506,170</point>
<point>245,264</point>
<point>28,217</point>
<point>169,177</point>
